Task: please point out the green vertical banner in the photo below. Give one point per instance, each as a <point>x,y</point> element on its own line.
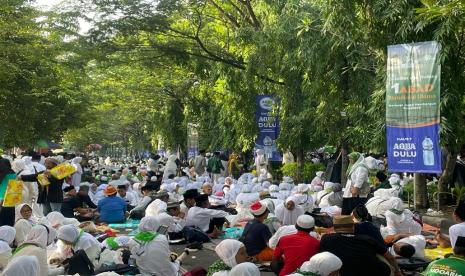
<point>412,107</point>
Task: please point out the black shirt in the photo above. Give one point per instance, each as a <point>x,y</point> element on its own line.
<point>357,253</point>
<point>68,206</point>
<point>255,237</point>
<point>369,229</point>
<point>86,199</point>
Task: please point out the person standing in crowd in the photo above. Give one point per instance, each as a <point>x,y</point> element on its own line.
<point>200,163</point>
<point>358,253</point>
<point>112,209</point>
<point>256,234</point>
<point>452,265</point>
<point>215,166</point>
<point>7,214</point>
<point>233,166</point>
<point>357,187</point>
<point>171,168</point>
<point>50,196</point>
<point>77,175</point>
<point>293,250</point>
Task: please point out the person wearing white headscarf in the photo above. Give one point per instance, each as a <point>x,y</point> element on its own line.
<point>378,205</point>
<point>304,199</point>
<point>57,220</point>
<point>77,239</point>
<point>318,180</point>
<point>245,269</point>
<point>36,244</point>
<point>7,236</point>
<point>246,198</point>
<point>171,167</point>
<point>231,253</point>
<point>274,192</point>
<point>158,209</point>
<point>261,162</point>
<point>285,189</point>
<point>357,186</point>
<point>29,192</point>
<point>288,212</point>
<point>24,266</point>
<point>24,221</point>
<point>334,198</point>
<point>400,221</point>
<point>151,250</point>
<point>77,175</point>
<point>321,264</point>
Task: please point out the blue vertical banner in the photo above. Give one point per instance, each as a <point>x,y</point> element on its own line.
<point>192,140</point>
<point>412,107</point>
<point>268,126</point>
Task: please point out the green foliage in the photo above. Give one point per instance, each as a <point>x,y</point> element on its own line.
<point>458,192</point>
<point>308,172</point>
<point>290,169</point>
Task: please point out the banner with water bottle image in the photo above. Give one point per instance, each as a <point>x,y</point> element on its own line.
<point>412,107</point>
<point>268,126</point>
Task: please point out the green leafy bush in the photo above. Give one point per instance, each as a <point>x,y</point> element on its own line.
<point>308,172</point>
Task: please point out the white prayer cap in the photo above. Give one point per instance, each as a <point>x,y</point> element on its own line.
<point>305,221</point>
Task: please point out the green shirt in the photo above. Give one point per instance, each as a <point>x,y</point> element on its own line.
<point>4,184</point>
<point>452,266</point>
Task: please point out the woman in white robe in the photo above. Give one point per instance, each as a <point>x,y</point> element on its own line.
<point>171,167</point>
<point>151,250</point>
<point>288,212</point>
<point>24,266</point>
<point>24,221</point>
<point>36,244</point>
<point>77,239</point>
<point>7,236</point>
<point>77,176</point>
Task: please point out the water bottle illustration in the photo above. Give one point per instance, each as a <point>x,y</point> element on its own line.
<point>268,146</point>
<point>428,154</point>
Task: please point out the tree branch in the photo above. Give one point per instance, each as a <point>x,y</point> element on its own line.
<point>256,22</point>
<point>228,15</point>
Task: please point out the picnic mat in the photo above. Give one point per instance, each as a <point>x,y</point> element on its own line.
<point>437,253</point>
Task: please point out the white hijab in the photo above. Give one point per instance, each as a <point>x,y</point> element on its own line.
<point>227,251</point>
<point>155,208</point>
<point>57,220</point>
<point>18,215</point>
<point>37,236</point>
<point>7,236</point>
<point>245,269</point>
<point>22,266</point>
<point>321,264</point>
<point>81,240</point>
<point>286,216</point>
<point>149,224</point>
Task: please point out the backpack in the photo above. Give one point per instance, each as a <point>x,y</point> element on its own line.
<point>79,263</point>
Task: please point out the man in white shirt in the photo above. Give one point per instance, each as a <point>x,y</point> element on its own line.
<point>189,200</point>
<point>458,229</point>
<point>203,218</point>
<point>128,197</point>
<point>200,163</point>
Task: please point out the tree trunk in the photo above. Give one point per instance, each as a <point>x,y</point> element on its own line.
<point>344,166</point>
<point>421,192</point>
<point>300,164</point>
<point>446,177</point>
